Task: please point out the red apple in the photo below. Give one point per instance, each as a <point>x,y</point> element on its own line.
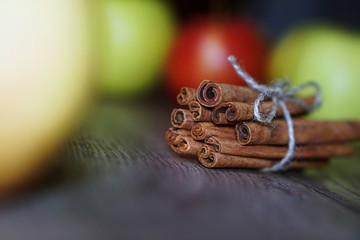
<point>201,49</point>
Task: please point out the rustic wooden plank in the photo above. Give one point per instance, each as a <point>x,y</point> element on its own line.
<point>118,179</point>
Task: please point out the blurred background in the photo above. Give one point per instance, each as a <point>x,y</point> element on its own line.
<point>60,58</point>
<point>186,42</point>
<point>153,48</point>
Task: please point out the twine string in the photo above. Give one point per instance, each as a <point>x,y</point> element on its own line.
<point>280,92</point>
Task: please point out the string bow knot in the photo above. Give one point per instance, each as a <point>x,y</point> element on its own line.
<point>280,92</point>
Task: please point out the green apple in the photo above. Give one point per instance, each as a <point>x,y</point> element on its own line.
<point>325,54</point>
<point>134,38</point>
<point>44,86</point>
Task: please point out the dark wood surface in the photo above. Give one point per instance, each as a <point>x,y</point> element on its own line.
<point>117,179</point>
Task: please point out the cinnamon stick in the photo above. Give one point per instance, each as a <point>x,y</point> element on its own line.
<point>218,115</point>
<point>211,159</point>
<point>202,130</point>
<point>210,94</point>
<point>306,132</point>
<point>172,134</point>
<point>185,145</point>
<point>182,118</point>
<point>238,111</point>
<point>186,95</point>
<point>231,147</point>
<point>199,112</point>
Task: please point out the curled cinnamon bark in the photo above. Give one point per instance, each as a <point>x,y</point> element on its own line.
<point>218,115</point>
<point>214,105</point>
<point>172,134</point>
<point>238,111</point>
<point>185,145</point>
<point>211,159</point>
<point>199,112</point>
<point>202,130</point>
<point>306,132</point>
<point>186,95</point>
<point>182,118</point>
<point>210,93</point>
<point>231,147</point>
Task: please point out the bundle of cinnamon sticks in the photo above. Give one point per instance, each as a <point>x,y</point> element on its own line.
<point>215,123</point>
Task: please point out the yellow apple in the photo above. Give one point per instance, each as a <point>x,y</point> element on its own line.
<point>44,62</point>
<point>134,38</point>
<point>328,55</point>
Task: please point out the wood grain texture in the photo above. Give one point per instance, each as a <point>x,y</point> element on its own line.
<point>117,179</point>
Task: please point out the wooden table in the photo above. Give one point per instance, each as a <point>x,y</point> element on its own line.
<point>117,179</point>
